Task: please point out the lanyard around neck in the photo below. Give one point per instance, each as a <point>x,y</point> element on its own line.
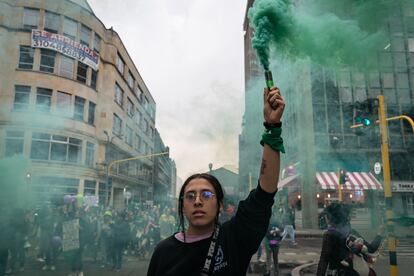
<point>211,251</point>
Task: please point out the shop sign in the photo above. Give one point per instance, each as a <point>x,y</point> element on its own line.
<point>66,46</point>
<point>403,187</point>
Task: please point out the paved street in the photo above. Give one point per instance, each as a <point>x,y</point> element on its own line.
<point>131,266</point>
<point>306,251</point>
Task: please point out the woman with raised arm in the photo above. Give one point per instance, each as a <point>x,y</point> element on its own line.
<point>207,248</point>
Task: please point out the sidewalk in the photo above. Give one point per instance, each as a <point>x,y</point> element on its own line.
<point>306,251</point>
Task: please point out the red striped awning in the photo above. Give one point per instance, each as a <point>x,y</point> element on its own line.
<point>355,181</point>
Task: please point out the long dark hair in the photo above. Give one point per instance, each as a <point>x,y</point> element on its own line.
<point>338,213</point>
<point>218,190</point>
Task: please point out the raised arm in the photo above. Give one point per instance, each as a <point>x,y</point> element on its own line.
<point>271,139</point>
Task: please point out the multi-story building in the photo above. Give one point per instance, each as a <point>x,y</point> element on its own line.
<point>164,174</point>
<point>72,101</point>
<point>321,108</point>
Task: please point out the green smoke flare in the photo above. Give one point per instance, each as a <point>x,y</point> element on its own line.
<point>321,30</point>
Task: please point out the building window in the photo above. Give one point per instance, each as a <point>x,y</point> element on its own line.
<point>79,108</point>
<point>119,95</point>
<point>64,104</point>
<point>89,187</point>
<point>85,35</point>
<point>94,78</point>
<point>65,149</point>
<point>129,134</point>
<point>43,99</point>
<point>52,22</point>
<point>30,18</point>
<point>117,125</point>
<point>47,60</point>
<point>131,80</point>
<point>120,65</point>
<point>137,142</point>
<point>40,146</point>
<point>66,66</point>
<point>14,143</point>
<point>138,117</point>
<point>21,97</point>
<point>82,72</point>
<point>146,126</point>
<point>90,153</point>
<point>91,113</point>
<point>130,108</point>
<point>97,43</point>
<point>138,93</point>
<point>26,57</point>
<point>70,28</point>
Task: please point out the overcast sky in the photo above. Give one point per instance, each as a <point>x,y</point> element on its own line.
<point>190,55</point>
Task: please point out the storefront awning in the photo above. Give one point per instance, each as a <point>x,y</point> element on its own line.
<point>355,181</point>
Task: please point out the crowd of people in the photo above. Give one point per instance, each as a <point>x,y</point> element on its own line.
<point>99,235</point>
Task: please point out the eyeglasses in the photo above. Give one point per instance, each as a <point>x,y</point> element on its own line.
<point>204,195</point>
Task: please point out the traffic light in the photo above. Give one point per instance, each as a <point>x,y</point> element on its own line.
<point>365,113</point>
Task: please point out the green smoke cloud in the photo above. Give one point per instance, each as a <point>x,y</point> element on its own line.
<point>321,30</point>
<point>272,21</point>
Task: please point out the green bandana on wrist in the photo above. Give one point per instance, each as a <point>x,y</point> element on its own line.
<point>272,138</point>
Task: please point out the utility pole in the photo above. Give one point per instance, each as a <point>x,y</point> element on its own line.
<point>387,186</point>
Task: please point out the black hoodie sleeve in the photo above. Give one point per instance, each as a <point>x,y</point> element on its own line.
<point>252,219</point>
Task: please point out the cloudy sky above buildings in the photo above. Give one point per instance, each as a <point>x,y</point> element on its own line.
<point>190,55</point>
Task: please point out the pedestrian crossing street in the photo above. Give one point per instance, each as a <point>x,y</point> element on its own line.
<point>405,248</point>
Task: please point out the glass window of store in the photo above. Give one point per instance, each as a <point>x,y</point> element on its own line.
<point>66,66</point>
<point>21,97</point>
<point>14,143</point>
<point>119,95</point>
<point>120,65</point>
<point>64,104</point>
<point>85,35</point>
<point>82,72</point>
<point>97,43</point>
<point>26,57</point>
<point>30,18</point>
<point>43,99</point>
<point>52,22</point>
<point>91,113</point>
<point>90,154</point>
<point>117,125</point>
<point>79,108</point>
<point>70,28</point>
<point>47,60</point>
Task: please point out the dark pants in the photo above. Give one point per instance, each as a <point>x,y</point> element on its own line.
<point>76,260</point>
<point>4,255</point>
<point>17,252</point>
<point>117,255</point>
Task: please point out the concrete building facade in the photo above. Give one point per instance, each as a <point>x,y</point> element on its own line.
<point>321,108</point>
<point>72,116</point>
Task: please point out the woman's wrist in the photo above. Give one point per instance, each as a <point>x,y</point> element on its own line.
<point>272,125</point>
